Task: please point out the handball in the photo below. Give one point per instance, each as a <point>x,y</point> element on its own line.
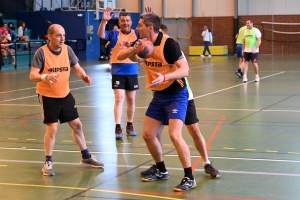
<point>145,50</point>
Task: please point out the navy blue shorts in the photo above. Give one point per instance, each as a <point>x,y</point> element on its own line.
<point>191,114</point>
<point>168,106</point>
<point>239,49</point>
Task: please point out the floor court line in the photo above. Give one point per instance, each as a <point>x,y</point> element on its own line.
<point>26,97</point>
<point>94,190</point>
<point>148,154</point>
<point>134,167</point>
<point>236,86</point>
<point>30,88</point>
<point>143,107</point>
<point>262,109</point>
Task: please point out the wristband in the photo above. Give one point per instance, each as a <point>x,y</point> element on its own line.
<point>44,77</point>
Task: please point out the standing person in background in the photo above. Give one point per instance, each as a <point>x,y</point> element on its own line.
<point>239,49</point>
<point>57,103</point>
<point>207,38</point>
<point>252,41</point>
<point>22,35</point>
<point>124,72</point>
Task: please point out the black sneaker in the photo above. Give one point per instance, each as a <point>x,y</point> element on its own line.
<point>209,169</point>
<point>239,74</point>
<point>186,184</point>
<point>156,176</point>
<point>149,171</point>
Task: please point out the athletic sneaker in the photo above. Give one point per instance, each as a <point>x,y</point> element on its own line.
<point>245,79</point>
<point>149,171</point>
<point>48,169</point>
<point>156,176</point>
<point>209,55</point>
<point>92,161</point>
<point>209,169</point>
<point>202,56</point>
<point>239,74</point>
<point>257,78</point>
<point>119,134</point>
<point>130,131</point>
<point>186,184</point>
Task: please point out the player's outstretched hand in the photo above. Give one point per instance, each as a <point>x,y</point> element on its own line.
<point>107,14</point>
<point>148,9</point>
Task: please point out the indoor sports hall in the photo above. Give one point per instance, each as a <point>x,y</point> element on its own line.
<point>251,129</point>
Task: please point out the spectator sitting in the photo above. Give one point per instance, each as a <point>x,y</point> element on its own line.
<point>22,35</point>
<point>4,40</point>
<point>9,26</point>
<point>12,47</point>
<point>3,31</point>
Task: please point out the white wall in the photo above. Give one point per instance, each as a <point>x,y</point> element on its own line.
<point>156,6</point>
<point>208,8</point>
<point>129,5</point>
<point>177,8</point>
<point>268,7</point>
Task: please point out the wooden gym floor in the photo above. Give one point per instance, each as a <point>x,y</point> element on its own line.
<point>251,130</point>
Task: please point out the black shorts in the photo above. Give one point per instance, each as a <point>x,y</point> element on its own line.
<point>250,56</point>
<point>62,109</point>
<point>125,82</point>
<point>191,114</point>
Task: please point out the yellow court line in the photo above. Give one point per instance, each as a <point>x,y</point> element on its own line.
<point>96,190</point>
<point>88,142</point>
<point>294,152</point>
<point>125,143</point>
<point>30,139</point>
<point>13,138</point>
<point>229,148</point>
<point>3,165</point>
<point>250,149</point>
<point>67,141</point>
<point>271,151</point>
<point>168,145</point>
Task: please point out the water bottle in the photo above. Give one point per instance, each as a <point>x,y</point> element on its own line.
<point>87,4</point>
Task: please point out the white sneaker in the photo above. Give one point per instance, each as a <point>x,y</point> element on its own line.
<point>209,55</point>
<point>202,56</point>
<point>257,78</point>
<point>245,80</point>
<point>48,169</point>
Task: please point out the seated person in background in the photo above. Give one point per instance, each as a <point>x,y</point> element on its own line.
<point>9,26</point>
<point>22,35</point>
<point>4,41</point>
<point>3,30</point>
<point>12,47</point>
